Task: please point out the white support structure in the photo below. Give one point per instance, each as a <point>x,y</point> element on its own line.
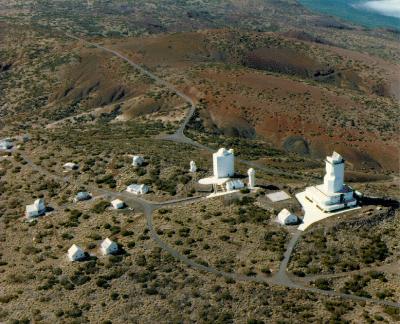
<point>193,167</point>
<point>223,163</point>
<point>252,178</point>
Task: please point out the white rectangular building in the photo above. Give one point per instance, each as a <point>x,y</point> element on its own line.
<point>234,184</point>
<point>223,163</point>
<point>138,189</point>
<point>6,144</point>
<point>108,247</point>
<point>117,204</point>
<point>36,209</point>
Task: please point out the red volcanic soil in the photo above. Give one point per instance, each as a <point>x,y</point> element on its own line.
<point>282,60</point>
<point>334,107</point>
<point>97,80</point>
<point>297,116</point>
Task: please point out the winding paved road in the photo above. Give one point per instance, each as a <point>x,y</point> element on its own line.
<point>280,278</point>
<point>179,135</point>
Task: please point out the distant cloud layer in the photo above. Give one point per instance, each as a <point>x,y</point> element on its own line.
<point>384,7</point>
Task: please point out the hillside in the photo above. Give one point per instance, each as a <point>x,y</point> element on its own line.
<point>89,87</point>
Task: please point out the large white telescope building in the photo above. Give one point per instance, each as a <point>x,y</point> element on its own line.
<point>333,194</point>
<point>223,163</point>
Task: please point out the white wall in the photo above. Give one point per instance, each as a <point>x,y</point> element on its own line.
<point>223,165</point>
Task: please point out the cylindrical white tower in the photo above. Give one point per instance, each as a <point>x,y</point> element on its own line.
<point>193,167</point>
<point>252,178</point>
<point>334,177</point>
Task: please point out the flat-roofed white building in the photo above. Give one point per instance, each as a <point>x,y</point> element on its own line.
<point>234,184</point>
<point>138,189</point>
<point>108,247</point>
<point>118,204</point>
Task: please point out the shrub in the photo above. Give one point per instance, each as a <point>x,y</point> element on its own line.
<point>7,298</point>
<point>103,283</point>
<point>323,284</point>
<point>67,236</point>
<point>114,296</point>
<point>59,313</point>
<point>393,312</point>
<point>126,233</point>
<point>224,238</point>
<point>73,313</point>
<point>100,207</point>
<point>299,273</point>
<point>107,179</point>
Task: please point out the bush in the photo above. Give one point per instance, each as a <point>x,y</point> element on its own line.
<point>107,179</point>
<point>100,207</point>
<point>224,238</point>
<point>126,233</point>
<point>151,291</point>
<point>103,283</point>
<point>299,273</point>
<point>114,296</point>
<point>323,284</point>
<point>393,312</point>
<point>91,246</point>
<point>73,313</point>
<point>67,236</point>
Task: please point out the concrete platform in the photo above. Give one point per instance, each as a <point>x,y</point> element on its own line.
<point>221,193</point>
<point>278,196</point>
<point>313,214</point>
<point>213,181</point>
